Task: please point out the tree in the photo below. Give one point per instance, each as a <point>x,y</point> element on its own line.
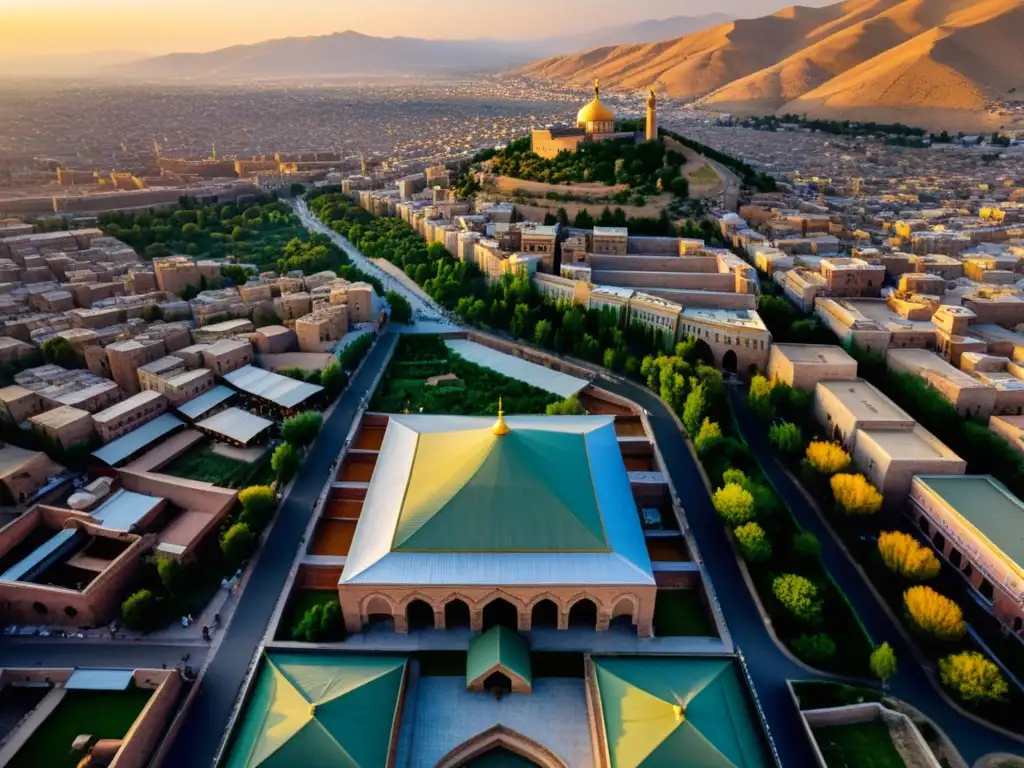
<point>786,438</point>
<point>263,317</point>
<point>883,662</point>
<point>709,438</point>
<point>734,504</point>
<point>58,351</point>
<point>827,458</point>
<point>285,462</point>
<point>855,495</point>
<point>695,407</point>
<point>320,623</point>
<point>814,648</point>
<point>401,309</point>
<point>806,546</point>
<point>258,505</point>
<point>542,333</point>
<point>569,407</point>
<point>973,678</point>
<point>140,611</point>
<point>760,398</point>
<point>753,542</point>
<point>583,220</point>
<point>237,544</point>
<point>170,572</point>
<point>333,379</point>
<point>798,595</point>
<point>902,554</point>
<point>301,429</point>
<point>934,614</point>
<point>297,189</point>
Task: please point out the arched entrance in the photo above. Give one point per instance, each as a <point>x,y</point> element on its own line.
<point>583,614</point>
<point>498,682</point>
<point>622,614</point>
<point>545,615</point>
<point>703,352</point>
<point>500,612</point>
<point>730,361</point>
<point>419,615</point>
<point>500,758</point>
<point>456,614</point>
<point>378,614</point>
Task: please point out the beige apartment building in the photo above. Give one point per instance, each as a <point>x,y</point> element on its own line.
<point>175,273</point>
<point>739,339</point>
<point>273,340</point>
<point>890,458</point>
<point>852,277</point>
<point>967,394</point>
<point>152,374</point>
<point>803,366</point>
<point>23,472</point>
<point>844,408</point>
<point>610,241</point>
<point>292,306</point>
<point>540,240</point>
<point>125,358</point>
<point>129,414</point>
<point>227,355</point>
<point>65,425</point>
<point>322,329</point>
<point>18,404</point>
<point>1010,428</point>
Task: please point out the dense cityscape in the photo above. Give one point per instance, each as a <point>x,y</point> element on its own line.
<point>489,420</point>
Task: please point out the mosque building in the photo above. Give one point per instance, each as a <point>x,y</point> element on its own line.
<point>594,122</point>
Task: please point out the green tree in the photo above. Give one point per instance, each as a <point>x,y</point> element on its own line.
<point>301,429</point>
<point>583,220</point>
<point>753,542</point>
<point>297,189</point>
<point>401,309</point>
<point>973,678</point>
<point>170,572</point>
<point>806,546</point>
<point>760,398</point>
<point>58,351</point>
<point>140,611</point>
<point>333,379</point>
<point>542,333</point>
<point>258,505</point>
<point>571,406</point>
<point>734,504</point>
<point>237,543</point>
<point>263,316</point>
<point>695,407</point>
<point>883,662</point>
<point>285,462</point>
<point>814,649</point>
<point>798,595</point>
<point>709,438</point>
<point>786,438</point>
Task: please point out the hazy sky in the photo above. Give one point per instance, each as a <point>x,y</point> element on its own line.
<point>30,27</point>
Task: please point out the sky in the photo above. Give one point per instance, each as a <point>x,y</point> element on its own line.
<point>45,27</point>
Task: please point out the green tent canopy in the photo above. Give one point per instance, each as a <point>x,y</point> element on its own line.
<point>664,713</point>
<point>499,649</point>
<point>320,711</point>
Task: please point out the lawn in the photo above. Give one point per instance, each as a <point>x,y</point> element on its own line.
<point>821,694</point>
<point>705,176</point>
<point>210,467</point>
<point>681,613</point>
<point>302,600</point>
<point>864,745</point>
<point>102,714</point>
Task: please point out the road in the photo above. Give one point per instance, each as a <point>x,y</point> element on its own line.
<point>119,654</point>
<point>206,723</point>
<point>911,683</point>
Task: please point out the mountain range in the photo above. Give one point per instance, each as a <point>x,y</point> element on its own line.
<point>935,63</point>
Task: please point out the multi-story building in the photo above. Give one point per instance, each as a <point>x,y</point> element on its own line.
<point>227,355</point>
<point>65,425</point>
<point>739,339</point>
<point>322,329</point>
<point>176,273</point>
<point>129,414</point>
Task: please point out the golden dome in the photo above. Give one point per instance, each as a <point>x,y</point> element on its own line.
<point>500,427</point>
<point>595,111</point>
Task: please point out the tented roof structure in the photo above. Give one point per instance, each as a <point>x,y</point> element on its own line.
<point>454,500</point>
<point>663,713</point>
<point>320,711</point>
<point>499,649</point>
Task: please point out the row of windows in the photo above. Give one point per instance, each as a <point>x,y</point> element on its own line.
<point>707,335</point>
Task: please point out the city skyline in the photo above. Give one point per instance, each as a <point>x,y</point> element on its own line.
<point>118,25</point>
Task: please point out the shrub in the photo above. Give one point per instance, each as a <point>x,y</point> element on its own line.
<point>814,648</point>
<point>786,438</point>
<point>734,504</point>
<point>140,611</point>
<point>237,544</point>
<point>883,662</point>
<point>571,406</point>
<point>754,542</point>
<point>170,572</point>
<point>973,678</point>
<point>855,495</point>
<point>302,428</point>
<point>401,310</point>
<point>709,438</point>
<point>760,398</point>
<point>827,458</point>
<point>934,614</point>
<point>333,379</point>
<point>258,505</point>
<point>902,553</point>
<point>695,407</point>
<point>798,595</point>
<point>806,546</point>
<point>735,476</point>
<point>285,462</point>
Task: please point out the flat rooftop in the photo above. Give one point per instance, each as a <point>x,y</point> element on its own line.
<point>116,411</point>
<point>986,505</point>
<point>822,354</point>
<point>917,444</point>
<point>59,417</point>
<point>865,402</point>
<point>739,318</point>
<point>924,361</point>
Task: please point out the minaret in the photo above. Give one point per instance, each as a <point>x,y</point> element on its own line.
<point>652,116</point>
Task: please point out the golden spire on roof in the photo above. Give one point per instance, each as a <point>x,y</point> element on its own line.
<point>500,427</point>
<point>679,712</point>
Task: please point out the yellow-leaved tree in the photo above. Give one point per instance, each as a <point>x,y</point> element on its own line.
<point>973,677</point>
<point>734,504</point>
<point>827,458</point>
<point>934,614</point>
<point>855,495</point>
<point>902,553</point>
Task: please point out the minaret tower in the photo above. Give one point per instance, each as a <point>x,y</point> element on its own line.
<point>652,116</point>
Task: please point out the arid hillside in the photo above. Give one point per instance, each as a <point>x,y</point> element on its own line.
<point>937,63</point>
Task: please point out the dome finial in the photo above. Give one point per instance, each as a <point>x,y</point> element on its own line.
<point>500,427</point>
<point>597,87</point>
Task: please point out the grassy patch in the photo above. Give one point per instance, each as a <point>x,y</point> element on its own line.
<point>823,694</point>
<point>705,176</point>
<point>864,745</point>
<point>210,467</point>
<point>301,601</point>
<point>681,613</point>
<point>102,714</point>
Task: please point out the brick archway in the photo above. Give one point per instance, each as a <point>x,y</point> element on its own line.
<point>500,736</point>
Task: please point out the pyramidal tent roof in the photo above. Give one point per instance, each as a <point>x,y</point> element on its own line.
<point>498,648</point>
<point>663,713</point>
<point>320,711</point>
<point>451,502</point>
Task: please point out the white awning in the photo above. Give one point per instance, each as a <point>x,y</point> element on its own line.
<point>556,382</point>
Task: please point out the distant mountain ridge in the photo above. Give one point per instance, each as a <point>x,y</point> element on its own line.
<point>936,63</point>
